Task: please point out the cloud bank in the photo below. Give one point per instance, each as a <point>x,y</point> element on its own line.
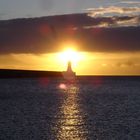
<point>94,12</point>
<point>94,34</point>
<point>130,2</point>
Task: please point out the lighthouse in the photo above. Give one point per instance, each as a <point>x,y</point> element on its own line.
<point>69,69</point>
<point>69,74</point>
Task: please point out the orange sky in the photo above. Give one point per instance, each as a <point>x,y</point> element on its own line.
<point>88,64</point>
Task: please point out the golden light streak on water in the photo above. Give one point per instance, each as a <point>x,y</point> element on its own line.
<point>71,122</point>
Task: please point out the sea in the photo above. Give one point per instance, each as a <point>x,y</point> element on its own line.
<point>88,108</point>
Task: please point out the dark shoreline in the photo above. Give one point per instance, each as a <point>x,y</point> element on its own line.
<point>14,73</point>
<point>11,73</point>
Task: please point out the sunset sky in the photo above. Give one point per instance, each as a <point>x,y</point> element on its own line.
<point>103,36</point>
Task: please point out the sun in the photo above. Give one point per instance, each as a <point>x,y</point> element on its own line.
<point>70,54</point>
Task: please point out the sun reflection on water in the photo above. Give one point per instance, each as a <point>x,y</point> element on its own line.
<point>71,122</point>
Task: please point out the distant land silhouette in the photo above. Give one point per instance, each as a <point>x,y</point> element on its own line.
<point>11,73</point>
<point>15,73</point>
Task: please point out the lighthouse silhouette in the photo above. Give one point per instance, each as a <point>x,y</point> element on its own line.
<point>69,74</point>
<point>69,69</point>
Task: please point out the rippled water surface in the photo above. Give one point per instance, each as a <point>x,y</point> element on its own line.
<point>53,109</point>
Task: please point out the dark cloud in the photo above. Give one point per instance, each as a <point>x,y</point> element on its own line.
<point>42,35</point>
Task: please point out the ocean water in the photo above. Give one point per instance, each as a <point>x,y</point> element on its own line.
<point>92,108</point>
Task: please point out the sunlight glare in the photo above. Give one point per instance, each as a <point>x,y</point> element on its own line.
<point>70,54</point>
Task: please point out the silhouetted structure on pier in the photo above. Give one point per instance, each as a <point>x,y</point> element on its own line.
<point>69,69</point>
<point>69,74</point>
